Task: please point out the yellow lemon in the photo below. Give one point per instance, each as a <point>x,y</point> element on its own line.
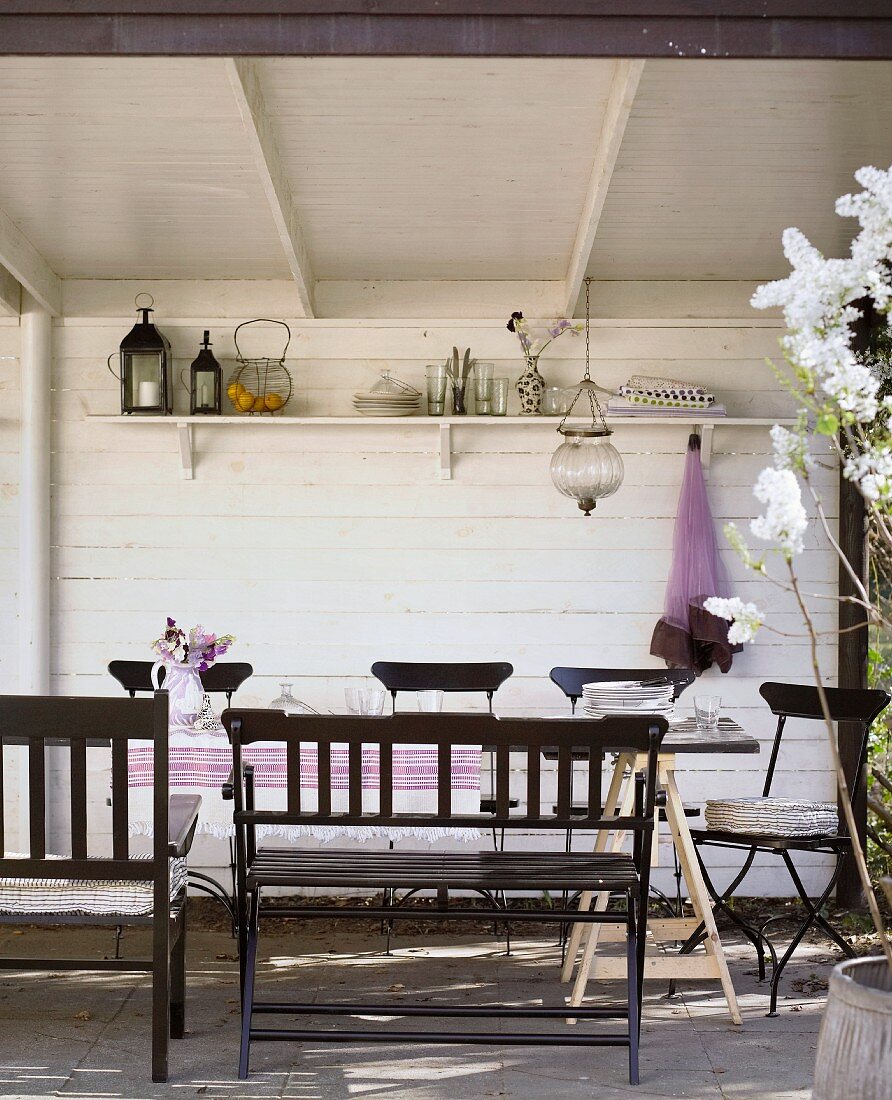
<point>258,404</point>
<point>233,390</point>
<point>273,402</point>
<point>244,402</point>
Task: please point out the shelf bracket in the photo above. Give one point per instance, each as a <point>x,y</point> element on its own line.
<point>705,432</point>
<point>446,452</point>
<point>184,437</point>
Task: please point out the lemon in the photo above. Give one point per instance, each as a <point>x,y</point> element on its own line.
<point>273,402</point>
<point>244,402</point>
<point>233,390</point>
<point>258,404</point>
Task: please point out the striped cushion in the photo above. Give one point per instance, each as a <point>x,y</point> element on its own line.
<point>85,897</point>
<point>772,816</point>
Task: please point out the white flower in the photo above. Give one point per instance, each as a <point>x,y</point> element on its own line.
<point>790,449</point>
<point>872,473</point>
<point>745,618</point>
<point>784,520</point>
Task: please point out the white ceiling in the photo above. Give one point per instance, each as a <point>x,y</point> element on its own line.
<point>719,157</point>
<point>432,169</point>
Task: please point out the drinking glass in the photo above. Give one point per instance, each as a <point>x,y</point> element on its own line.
<point>554,401</point>
<point>499,404</point>
<point>371,701</point>
<point>483,387</point>
<point>430,701</point>
<point>436,389</point>
<point>351,697</point>
<point>706,711</point>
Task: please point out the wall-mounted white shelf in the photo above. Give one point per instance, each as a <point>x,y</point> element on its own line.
<point>442,425</point>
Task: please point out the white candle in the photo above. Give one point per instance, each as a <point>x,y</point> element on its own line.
<point>149,394</point>
<point>203,395</point>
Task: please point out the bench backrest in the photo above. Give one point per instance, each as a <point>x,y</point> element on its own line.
<point>524,738</point>
<point>35,727</point>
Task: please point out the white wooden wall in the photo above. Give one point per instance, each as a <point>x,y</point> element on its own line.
<point>324,549</point>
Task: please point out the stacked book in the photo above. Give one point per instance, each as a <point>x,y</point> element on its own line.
<point>643,395</point>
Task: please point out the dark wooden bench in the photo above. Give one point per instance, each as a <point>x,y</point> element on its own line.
<point>490,873</point>
<point>85,888</point>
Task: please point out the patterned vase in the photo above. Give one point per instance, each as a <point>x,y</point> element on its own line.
<point>530,387</point>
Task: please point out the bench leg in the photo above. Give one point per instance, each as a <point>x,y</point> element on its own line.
<point>178,979</point>
<point>160,994</point>
<point>633,987</point>
<point>248,990</point>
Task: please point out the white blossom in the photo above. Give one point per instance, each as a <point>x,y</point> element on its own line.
<point>790,449</point>
<point>872,471</point>
<point>784,520</point>
<point>745,618</point>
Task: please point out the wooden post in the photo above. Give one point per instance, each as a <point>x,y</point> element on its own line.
<point>852,651</point>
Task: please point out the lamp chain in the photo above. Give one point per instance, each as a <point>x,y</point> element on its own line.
<point>597,412</point>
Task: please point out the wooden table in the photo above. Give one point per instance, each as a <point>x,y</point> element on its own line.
<point>680,740</point>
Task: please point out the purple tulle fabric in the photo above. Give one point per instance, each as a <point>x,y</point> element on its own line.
<point>687,636</point>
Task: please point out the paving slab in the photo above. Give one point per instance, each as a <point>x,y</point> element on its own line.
<point>88,1035</point>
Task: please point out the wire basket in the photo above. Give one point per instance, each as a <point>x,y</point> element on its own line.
<point>260,386</point>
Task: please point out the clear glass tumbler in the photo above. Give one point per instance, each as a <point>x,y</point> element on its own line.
<point>436,389</point>
<point>371,701</point>
<point>430,701</point>
<point>483,388</point>
<point>499,403</point>
<point>706,711</point>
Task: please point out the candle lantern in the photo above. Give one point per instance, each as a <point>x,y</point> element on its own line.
<point>586,466</point>
<point>145,366</point>
<point>205,382</point>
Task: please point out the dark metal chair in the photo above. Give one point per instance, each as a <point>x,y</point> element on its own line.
<point>454,677</point>
<point>225,677</point>
<point>571,681</point>
<point>300,870</point>
<point>73,725</point>
<point>860,707</point>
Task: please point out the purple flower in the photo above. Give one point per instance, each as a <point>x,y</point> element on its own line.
<point>516,316</point>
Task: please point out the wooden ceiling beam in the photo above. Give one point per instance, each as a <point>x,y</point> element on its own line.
<point>22,260</point>
<point>245,82</point>
<point>626,75</point>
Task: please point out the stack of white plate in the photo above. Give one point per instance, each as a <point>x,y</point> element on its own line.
<point>389,397</point>
<point>627,697</point>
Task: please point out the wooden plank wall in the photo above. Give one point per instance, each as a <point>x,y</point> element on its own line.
<point>324,549</point>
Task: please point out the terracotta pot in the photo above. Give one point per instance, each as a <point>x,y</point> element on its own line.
<point>855,1042</point>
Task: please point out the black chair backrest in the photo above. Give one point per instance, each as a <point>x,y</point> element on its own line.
<point>225,677</point>
<point>571,680</point>
<point>487,676</point>
<point>56,722</point>
<point>856,705</point>
<point>505,737</point>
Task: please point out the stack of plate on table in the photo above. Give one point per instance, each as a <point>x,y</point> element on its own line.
<point>627,697</point>
<point>389,397</point>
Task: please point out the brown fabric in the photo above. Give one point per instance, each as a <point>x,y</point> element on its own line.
<point>697,644</point>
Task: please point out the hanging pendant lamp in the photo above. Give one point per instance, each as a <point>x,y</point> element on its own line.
<point>586,466</point>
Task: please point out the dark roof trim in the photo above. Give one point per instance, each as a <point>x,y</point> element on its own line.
<point>856,29</point>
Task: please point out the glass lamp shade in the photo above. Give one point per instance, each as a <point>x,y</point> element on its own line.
<point>586,466</point>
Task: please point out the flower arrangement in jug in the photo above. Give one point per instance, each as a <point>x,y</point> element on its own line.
<point>199,649</point>
<point>531,383</point>
<point>184,657</point>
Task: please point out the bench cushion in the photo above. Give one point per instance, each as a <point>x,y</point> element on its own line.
<point>85,897</point>
<point>487,870</point>
<point>772,816</point>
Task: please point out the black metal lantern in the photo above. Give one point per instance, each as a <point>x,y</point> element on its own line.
<point>205,382</point>
<point>146,385</point>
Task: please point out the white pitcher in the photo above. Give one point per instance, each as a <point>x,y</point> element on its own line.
<point>183,686</point>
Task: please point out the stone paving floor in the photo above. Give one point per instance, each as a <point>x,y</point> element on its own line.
<point>85,1035</point>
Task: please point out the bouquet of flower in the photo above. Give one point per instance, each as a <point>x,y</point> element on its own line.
<point>198,649</point>
<point>533,348</point>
